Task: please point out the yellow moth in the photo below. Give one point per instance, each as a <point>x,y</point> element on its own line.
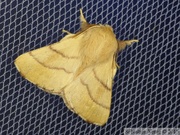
<point>80,68</point>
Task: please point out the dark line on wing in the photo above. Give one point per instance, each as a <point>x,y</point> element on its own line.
<point>63,55</point>
<point>41,63</point>
<point>87,87</point>
<point>104,85</point>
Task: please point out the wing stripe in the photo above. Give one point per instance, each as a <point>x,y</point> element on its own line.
<point>41,63</point>
<point>89,93</point>
<point>102,83</point>
<point>63,55</point>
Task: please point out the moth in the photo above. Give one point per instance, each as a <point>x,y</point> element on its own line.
<point>80,68</point>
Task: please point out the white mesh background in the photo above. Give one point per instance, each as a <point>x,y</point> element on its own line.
<point>146,92</point>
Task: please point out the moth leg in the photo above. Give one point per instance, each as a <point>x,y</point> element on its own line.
<point>124,43</point>
<point>117,66</point>
<point>65,31</point>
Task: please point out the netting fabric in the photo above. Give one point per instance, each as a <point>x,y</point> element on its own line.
<point>146,91</point>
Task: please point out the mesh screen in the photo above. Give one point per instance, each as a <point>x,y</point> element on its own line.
<point>146,92</point>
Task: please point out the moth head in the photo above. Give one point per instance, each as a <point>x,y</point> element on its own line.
<point>113,39</point>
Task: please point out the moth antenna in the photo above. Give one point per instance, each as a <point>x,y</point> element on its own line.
<point>124,43</point>
<point>82,18</point>
<point>129,42</point>
<point>84,24</point>
<point>65,31</point>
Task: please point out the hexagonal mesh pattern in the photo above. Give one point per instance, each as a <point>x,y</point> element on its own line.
<point>146,91</point>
